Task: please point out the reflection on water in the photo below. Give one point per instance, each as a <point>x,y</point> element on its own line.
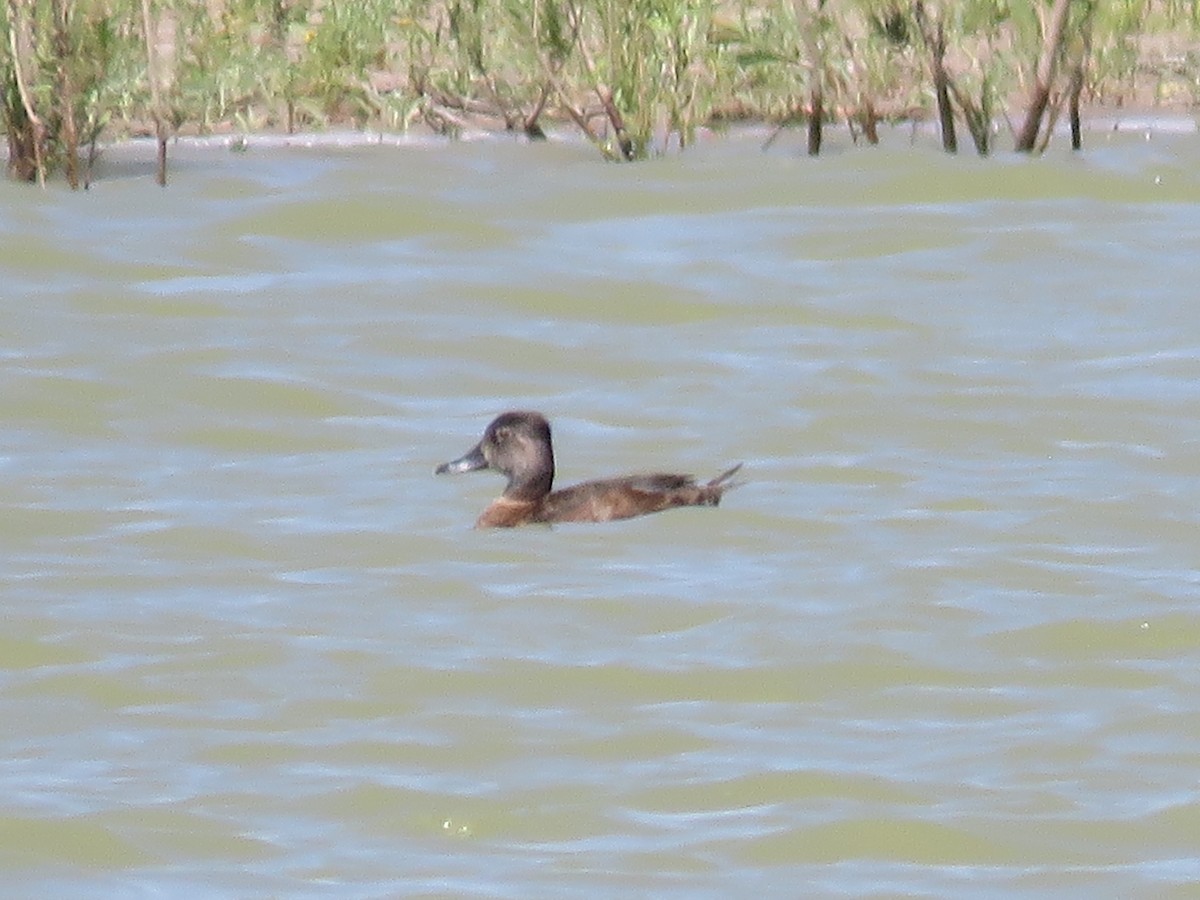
<point>943,640</point>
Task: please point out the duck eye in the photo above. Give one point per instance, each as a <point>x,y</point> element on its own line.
<point>501,435</point>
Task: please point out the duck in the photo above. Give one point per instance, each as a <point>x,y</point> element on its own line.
<point>518,445</point>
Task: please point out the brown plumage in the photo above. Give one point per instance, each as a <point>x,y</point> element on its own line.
<point>518,445</point>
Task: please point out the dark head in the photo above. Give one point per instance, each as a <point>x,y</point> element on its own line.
<point>516,444</point>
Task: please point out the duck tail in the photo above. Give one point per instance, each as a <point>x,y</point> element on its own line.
<point>722,481</point>
<point>713,490</point>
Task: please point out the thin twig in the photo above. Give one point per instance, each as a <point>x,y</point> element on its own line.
<point>602,91</point>
<point>1052,38</point>
<point>160,128</point>
<point>37,126</point>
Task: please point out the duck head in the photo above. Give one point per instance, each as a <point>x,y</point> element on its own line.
<point>517,445</point>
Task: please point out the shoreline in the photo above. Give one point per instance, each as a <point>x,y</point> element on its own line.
<point>1103,120</point>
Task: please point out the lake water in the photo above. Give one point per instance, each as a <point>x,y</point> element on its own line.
<point>944,641</point>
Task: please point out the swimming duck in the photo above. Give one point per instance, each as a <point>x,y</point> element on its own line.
<point>517,445</point>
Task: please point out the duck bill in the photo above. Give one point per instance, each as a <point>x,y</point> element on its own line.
<point>471,462</point>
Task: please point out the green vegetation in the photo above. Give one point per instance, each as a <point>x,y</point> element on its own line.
<point>634,76</point>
